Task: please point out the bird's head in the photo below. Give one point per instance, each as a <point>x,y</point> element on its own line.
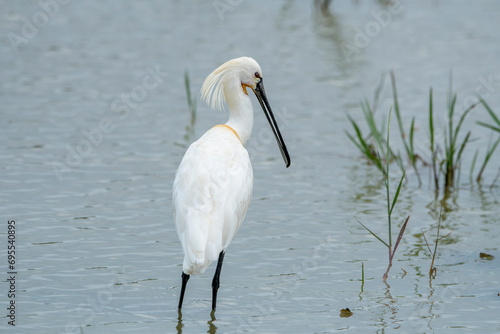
<point>244,71</point>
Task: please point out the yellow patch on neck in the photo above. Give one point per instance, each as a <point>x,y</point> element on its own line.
<point>230,128</point>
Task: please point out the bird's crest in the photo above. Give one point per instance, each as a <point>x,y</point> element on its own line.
<point>212,91</point>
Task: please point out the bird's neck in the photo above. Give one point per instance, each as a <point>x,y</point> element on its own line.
<point>241,113</point>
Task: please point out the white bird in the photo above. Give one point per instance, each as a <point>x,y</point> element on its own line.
<point>213,184</point>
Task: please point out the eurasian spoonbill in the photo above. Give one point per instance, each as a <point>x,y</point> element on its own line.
<point>213,184</point>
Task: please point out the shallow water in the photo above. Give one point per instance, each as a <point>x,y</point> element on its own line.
<point>97,247</point>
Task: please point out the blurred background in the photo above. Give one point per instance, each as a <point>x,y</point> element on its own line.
<point>95,120</point>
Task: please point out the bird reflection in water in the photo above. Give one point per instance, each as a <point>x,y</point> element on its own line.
<point>212,329</point>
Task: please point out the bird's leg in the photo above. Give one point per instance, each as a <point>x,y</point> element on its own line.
<point>185,279</point>
<point>215,282</point>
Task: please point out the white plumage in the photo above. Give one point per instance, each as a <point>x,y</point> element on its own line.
<point>212,192</point>
<point>213,185</point>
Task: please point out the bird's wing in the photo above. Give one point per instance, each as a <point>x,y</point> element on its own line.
<point>211,194</point>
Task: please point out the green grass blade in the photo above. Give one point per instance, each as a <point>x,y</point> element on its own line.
<point>368,113</point>
<point>387,179</point>
<point>450,120</point>
<point>432,269</point>
<point>382,125</point>
<point>397,193</point>
<point>437,234</point>
<point>462,118</point>
<point>412,152</point>
<point>398,114</point>
<point>489,153</point>
<point>358,131</point>
<point>459,173</point>
<point>426,243</point>
<point>488,126</point>
<point>431,120</point>
<point>493,148</point>
<point>376,236</point>
<point>493,115</point>
<point>190,101</point>
<point>378,91</point>
<point>453,104</point>
<point>387,143</point>
<point>366,151</point>
<point>459,155</point>
<point>355,142</point>
<point>363,146</point>
<point>188,88</point>
<point>473,165</point>
<point>450,88</point>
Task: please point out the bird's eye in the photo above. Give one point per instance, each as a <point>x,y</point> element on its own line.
<point>257,75</point>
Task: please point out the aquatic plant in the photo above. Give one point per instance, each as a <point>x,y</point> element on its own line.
<point>374,146</point>
<point>490,149</point>
<point>453,151</point>
<point>390,208</point>
<point>409,146</point>
<point>433,270</point>
<point>191,102</point>
<point>432,146</point>
<point>493,116</point>
<point>445,156</point>
<point>446,151</point>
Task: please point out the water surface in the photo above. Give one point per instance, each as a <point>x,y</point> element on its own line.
<point>98,251</point>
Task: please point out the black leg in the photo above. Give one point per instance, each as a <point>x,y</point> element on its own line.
<point>215,282</point>
<point>185,279</point>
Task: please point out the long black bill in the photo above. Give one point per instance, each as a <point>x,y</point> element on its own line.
<point>261,96</point>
